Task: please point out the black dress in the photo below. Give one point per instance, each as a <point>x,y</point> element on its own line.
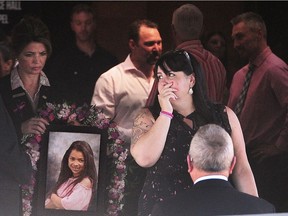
<point>169,176</point>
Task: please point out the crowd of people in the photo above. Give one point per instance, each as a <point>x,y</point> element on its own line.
<point>165,105</point>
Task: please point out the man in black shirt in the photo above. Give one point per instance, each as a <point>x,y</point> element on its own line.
<point>74,71</point>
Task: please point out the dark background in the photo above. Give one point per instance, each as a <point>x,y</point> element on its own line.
<point>113,17</point>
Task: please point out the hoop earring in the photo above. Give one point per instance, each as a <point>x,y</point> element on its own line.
<point>190,91</point>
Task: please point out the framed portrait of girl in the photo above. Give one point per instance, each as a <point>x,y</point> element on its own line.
<point>72,171</point>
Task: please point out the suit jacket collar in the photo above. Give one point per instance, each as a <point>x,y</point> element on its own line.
<point>213,183</point>
<point>21,103</point>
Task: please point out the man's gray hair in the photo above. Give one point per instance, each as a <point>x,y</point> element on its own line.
<point>211,149</point>
<point>188,22</point>
<point>253,20</point>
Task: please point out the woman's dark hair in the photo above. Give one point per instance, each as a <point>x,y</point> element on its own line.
<point>208,36</point>
<point>30,29</point>
<point>180,60</point>
<point>89,166</point>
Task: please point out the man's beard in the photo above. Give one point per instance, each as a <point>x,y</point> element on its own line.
<point>153,57</point>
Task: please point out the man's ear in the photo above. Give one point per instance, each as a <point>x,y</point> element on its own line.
<point>232,165</point>
<point>132,44</point>
<point>189,163</point>
<point>259,34</point>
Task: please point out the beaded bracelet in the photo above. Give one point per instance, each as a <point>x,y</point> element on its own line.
<point>168,114</point>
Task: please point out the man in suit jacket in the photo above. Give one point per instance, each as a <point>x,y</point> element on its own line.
<point>15,166</point>
<point>210,161</point>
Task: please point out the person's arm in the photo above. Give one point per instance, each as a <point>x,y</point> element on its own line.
<point>78,199</point>
<point>278,78</point>
<point>148,138</point>
<point>104,96</point>
<point>242,174</point>
<point>34,126</point>
<point>279,84</point>
<point>14,163</point>
<point>56,201</point>
<point>49,204</point>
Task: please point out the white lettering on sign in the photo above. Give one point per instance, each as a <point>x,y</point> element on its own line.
<point>4,19</point>
<point>2,5</point>
<point>13,5</point>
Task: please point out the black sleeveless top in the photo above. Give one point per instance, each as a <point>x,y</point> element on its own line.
<point>169,176</point>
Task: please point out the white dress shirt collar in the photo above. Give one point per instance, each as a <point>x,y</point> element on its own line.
<point>211,177</point>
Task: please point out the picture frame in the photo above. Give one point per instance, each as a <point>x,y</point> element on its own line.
<point>54,145</point>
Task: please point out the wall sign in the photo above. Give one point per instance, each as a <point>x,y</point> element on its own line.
<point>5,8</point>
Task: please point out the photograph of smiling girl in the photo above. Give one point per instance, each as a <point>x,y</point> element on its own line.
<point>75,185</point>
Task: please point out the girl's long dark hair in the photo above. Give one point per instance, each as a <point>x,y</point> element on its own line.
<point>89,167</point>
<point>180,60</point>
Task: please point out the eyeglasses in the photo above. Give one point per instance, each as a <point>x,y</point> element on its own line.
<point>171,59</point>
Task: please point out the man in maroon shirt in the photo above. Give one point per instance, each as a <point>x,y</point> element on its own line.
<point>264,116</point>
<point>187,24</point>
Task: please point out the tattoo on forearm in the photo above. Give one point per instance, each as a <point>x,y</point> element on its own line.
<point>142,125</point>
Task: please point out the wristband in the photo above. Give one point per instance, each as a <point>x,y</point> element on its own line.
<point>168,114</point>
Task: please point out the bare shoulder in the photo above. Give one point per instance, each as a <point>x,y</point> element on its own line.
<point>86,182</point>
<point>227,109</point>
<point>233,119</point>
<point>237,134</point>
